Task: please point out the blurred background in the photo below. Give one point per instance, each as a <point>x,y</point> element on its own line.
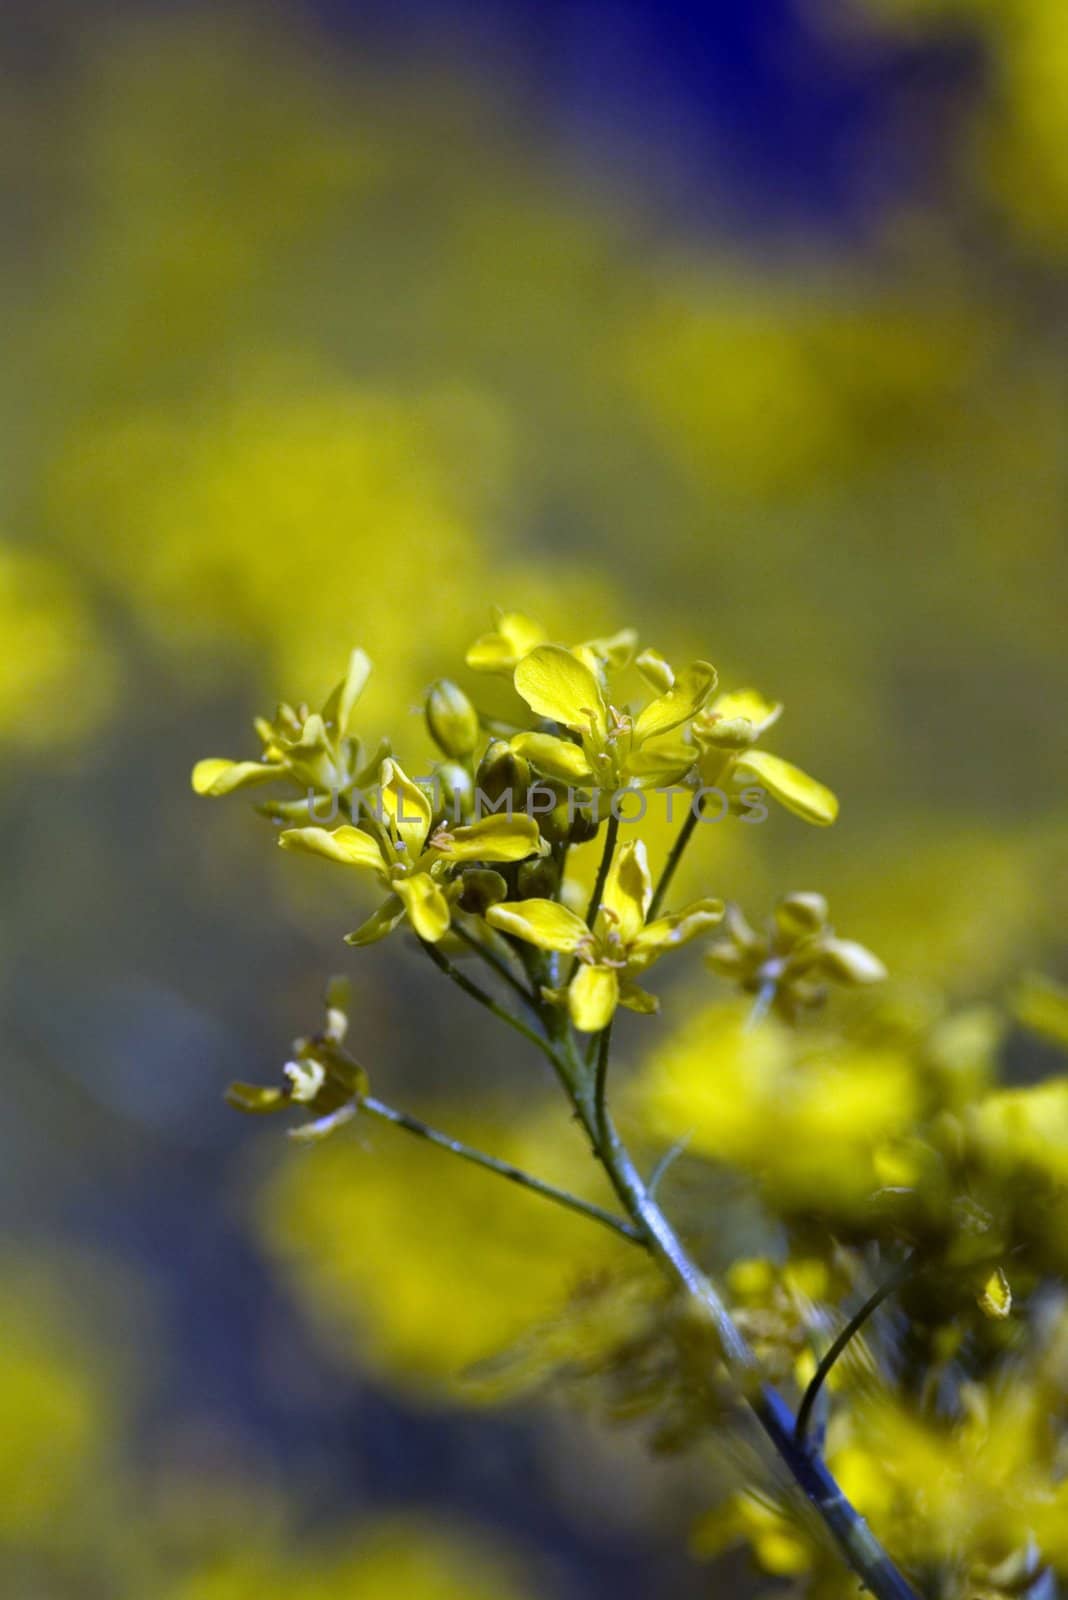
<point>338,323</point>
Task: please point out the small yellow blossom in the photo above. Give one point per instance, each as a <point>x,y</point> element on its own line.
<point>320,1076</point>
<point>789,965</point>
<point>616,748</point>
<point>413,864</point>
<point>515,635</point>
<point>314,750</point>
<point>726,733</point>
<point>619,947</point>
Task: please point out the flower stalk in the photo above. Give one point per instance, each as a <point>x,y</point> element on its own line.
<point>496,883</point>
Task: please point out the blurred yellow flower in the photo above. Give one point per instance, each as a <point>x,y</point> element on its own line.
<point>57,674</point>
<point>806,1124</point>
<point>377,1238</point>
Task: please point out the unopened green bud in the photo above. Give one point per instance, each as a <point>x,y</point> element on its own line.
<point>584,827</point>
<point>850,962</point>
<point>482,888</point>
<point>455,790</point>
<point>500,772</point>
<point>452,719</point>
<point>537,880</point>
<point>800,915</point>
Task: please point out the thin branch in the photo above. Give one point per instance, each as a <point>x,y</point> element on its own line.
<point>494,1006</point>
<point>492,959</point>
<point>504,1169</point>
<point>858,1545</point>
<point>901,1273</point>
<point>682,839</point>
<point>667,1160</point>
<point>610,833</point>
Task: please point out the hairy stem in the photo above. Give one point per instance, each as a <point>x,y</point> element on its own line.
<point>371,1107</point>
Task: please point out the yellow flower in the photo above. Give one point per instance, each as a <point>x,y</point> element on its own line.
<point>320,1077</point>
<point>779,1539</point>
<point>515,635</point>
<point>619,947</point>
<point>314,750</point>
<point>413,864</point>
<point>790,964</point>
<point>726,733</point>
<point>616,748</point>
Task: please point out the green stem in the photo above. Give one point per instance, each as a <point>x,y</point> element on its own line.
<point>371,1107</point>
<point>600,1086</point>
<point>610,833</point>
<point>856,1542</point>
<point>901,1273</point>
<point>682,839</point>
<point>494,1006</point>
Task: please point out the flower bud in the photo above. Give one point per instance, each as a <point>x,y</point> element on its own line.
<point>536,880</point>
<point>451,719</point>
<point>500,772</point>
<point>850,962</point>
<point>799,915</point>
<point>584,827</point>
<point>455,790</point>
<point>482,888</point>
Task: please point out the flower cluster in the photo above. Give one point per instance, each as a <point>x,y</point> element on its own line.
<point>902,1180</point>
<point>577,741</point>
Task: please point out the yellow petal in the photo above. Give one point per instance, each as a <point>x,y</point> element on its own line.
<point>671,932</point>
<point>609,654</point>
<point>426,906</point>
<point>553,757</point>
<point>639,1000</point>
<point>376,927</point>
<point>313,737</point>
<point>656,671</point>
<point>996,1297</point>
<point>555,684</point>
<point>544,923</point>
<point>683,700</point>
<point>851,962</point>
<point>792,788</point>
<point>490,839</point>
<point>749,704</point>
<point>628,889</point>
<point>217,776</point>
<point>350,846</point>
<point>592,997</point>
<point>660,761</point>
<point>342,702</point>
<point>253,1097</point>
<point>502,649</point>
<point>406,808</point>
